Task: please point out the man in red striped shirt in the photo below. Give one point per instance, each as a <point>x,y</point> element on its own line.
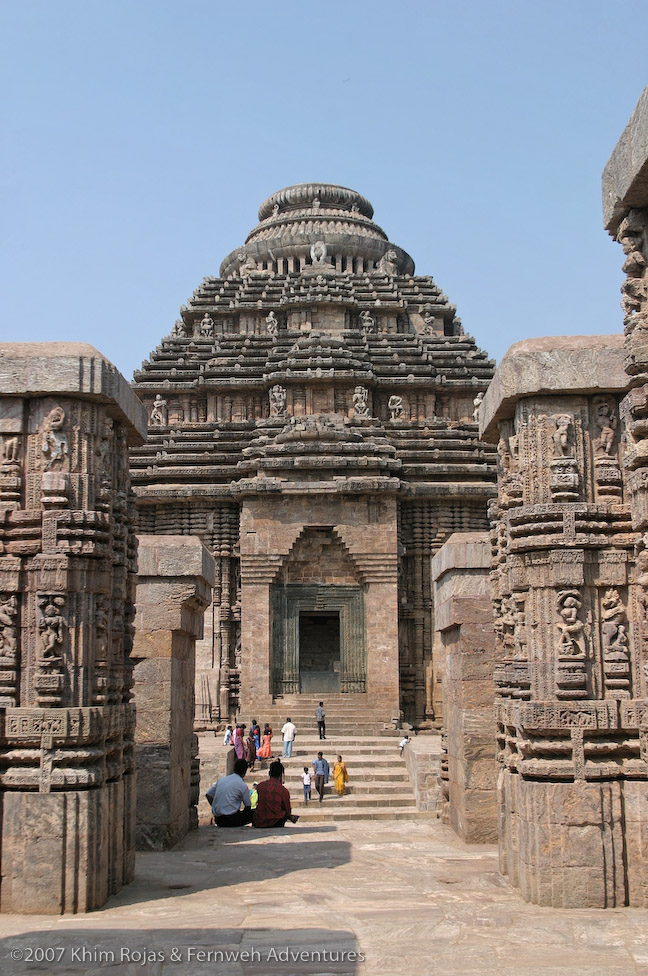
<point>273,807</point>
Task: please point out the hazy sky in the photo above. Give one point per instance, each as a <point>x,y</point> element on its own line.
<point>140,136</point>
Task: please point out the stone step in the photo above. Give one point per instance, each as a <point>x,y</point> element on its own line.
<point>356,801</point>
<point>332,815</point>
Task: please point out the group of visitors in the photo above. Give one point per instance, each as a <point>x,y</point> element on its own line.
<point>268,804</point>
<point>231,801</point>
<point>255,745</point>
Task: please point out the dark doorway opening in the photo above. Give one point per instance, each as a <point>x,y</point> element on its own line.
<point>319,652</point>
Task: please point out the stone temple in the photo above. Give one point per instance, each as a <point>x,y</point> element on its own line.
<point>311,419</point>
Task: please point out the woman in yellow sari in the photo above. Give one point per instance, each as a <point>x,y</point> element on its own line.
<point>340,776</point>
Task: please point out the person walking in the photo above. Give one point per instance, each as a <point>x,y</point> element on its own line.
<point>306,780</point>
<point>273,806</point>
<point>288,732</point>
<point>321,769</point>
<point>321,720</point>
<point>340,776</point>
<point>227,795</point>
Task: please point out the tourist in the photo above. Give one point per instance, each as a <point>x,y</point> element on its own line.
<point>321,723</point>
<point>227,795</point>
<point>273,808</point>
<point>321,768</point>
<point>306,780</point>
<point>256,732</point>
<point>288,732</point>
<point>340,776</point>
<point>405,741</point>
<point>228,737</point>
<point>265,751</point>
<point>254,796</point>
<point>250,750</point>
<point>239,744</point>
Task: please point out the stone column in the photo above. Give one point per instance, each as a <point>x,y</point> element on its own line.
<point>67,581</point>
<point>174,585</point>
<point>464,621</point>
<point>570,685</point>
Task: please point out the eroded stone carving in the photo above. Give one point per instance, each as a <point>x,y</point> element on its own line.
<point>318,253</point>
<point>477,402</point>
<point>51,627</point>
<point>54,442</point>
<point>158,415</point>
<point>395,406</point>
<point>367,323</point>
<point>387,264</point>
<point>272,325</point>
<point>8,625</point>
<point>361,401</point>
<point>277,401</point>
<point>247,264</point>
<point>206,327</point>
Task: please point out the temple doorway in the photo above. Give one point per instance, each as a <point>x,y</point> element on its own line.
<point>319,652</point>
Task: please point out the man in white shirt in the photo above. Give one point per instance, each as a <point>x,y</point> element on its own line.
<point>227,795</point>
<point>288,733</point>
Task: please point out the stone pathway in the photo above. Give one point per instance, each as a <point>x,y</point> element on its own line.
<point>408,897</point>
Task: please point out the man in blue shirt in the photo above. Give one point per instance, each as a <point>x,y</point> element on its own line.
<point>321,768</point>
<point>227,795</point>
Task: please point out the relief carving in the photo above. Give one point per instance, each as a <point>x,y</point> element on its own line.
<point>367,323</point>
<point>571,675</point>
<point>8,626</point>
<point>206,327</point>
<point>277,401</point>
<point>361,401</point>
<point>54,443</point>
<point>51,627</point>
<point>616,654</point>
<point>272,325</point>
<point>158,415</point>
<point>395,406</point>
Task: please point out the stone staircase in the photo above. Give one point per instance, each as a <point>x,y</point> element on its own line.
<point>346,715</point>
<point>378,787</point>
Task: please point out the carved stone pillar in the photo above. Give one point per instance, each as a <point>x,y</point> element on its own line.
<point>174,585</point>
<point>67,580</point>
<point>466,658</point>
<point>569,688</point>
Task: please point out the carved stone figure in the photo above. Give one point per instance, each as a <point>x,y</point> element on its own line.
<point>158,417</point>
<point>272,324</point>
<point>10,451</point>
<point>51,628</point>
<point>387,264</point>
<point>8,625</point>
<point>318,252</point>
<point>561,437</point>
<point>571,628</point>
<point>605,419</point>
<point>207,326</point>
<point>277,401</point>
<point>247,264</point>
<point>54,443</point>
<point>367,323</point>
<point>179,331</point>
<point>395,406</point>
<point>477,402</point>
<point>361,401</point>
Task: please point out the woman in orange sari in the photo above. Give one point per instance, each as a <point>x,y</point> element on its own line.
<point>265,750</point>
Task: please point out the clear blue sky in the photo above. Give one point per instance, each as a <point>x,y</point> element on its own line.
<point>140,136</point>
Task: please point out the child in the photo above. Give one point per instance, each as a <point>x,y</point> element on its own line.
<point>254,796</point>
<point>227,738</point>
<point>306,779</point>
<point>404,742</point>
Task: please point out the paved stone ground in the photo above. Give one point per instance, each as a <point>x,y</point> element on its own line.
<point>408,896</point>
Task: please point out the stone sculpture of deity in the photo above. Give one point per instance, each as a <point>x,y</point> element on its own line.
<point>207,326</point>
<point>272,324</point>
<point>51,628</point>
<point>561,437</point>
<point>367,322</point>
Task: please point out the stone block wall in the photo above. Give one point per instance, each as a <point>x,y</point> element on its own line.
<point>174,585</point>
<point>466,651</point>
<point>423,760</point>
<point>67,584</point>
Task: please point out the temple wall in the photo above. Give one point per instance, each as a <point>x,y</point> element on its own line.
<point>67,582</point>
<point>174,585</point>
<point>466,659</point>
<point>569,614</point>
